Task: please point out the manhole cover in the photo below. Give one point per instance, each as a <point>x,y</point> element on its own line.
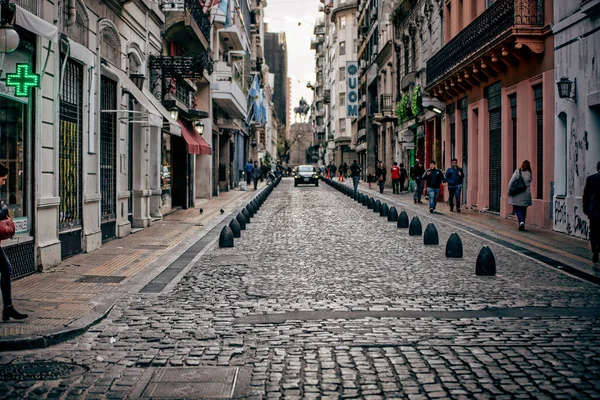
<point>100,279</point>
<point>190,383</point>
<point>39,371</point>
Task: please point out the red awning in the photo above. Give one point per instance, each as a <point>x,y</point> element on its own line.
<point>196,144</point>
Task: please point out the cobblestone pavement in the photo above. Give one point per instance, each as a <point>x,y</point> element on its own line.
<point>313,253</point>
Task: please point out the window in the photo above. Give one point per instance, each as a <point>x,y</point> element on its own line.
<point>342,99</point>
<point>537,96</point>
<point>413,52</point>
<point>406,71</point>
<point>342,22</point>
<point>342,76</point>
<point>342,48</point>
<point>342,123</point>
<point>110,45</point>
<point>512,100</point>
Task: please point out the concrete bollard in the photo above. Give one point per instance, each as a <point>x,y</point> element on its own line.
<point>431,235</point>
<point>241,220</point>
<point>393,214</point>
<point>246,215</point>
<point>415,228</point>
<point>384,210</point>
<point>376,206</point>
<point>402,220</point>
<point>454,247</point>
<point>486,263</point>
<point>226,237</point>
<point>371,203</point>
<point>235,228</point>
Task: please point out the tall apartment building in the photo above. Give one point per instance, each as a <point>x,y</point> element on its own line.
<point>276,57</point>
<point>322,94</point>
<point>495,73</point>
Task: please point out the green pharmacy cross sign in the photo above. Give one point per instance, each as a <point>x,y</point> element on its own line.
<point>22,80</point>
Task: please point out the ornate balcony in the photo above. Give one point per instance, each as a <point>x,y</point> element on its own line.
<point>190,29</point>
<point>494,39</point>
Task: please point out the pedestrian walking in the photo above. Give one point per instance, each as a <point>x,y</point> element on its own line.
<point>345,168</point>
<point>256,173</point>
<point>9,310</point>
<point>380,176</point>
<point>332,170</point>
<point>355,171</point>
<point>591,208</point>
<point>520,199</point>
<point>248,170</point>
<point>433,178</point>
<point>454,177</point>
<point>416,174</point>
<point>341,175</point>
<point>403,177</point>
<point>264,169</point>
<point>395,171</point>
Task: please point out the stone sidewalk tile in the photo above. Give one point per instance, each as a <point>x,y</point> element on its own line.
<point>571,251</point>
<point>64,301</point>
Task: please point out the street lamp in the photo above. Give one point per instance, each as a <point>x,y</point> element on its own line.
<point>138,80</point>
<point>199,125</point>
<point>9,39</point>
<point>566,87</point>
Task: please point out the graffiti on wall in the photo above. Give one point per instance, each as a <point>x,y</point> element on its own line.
<point>578,147</point>
<point>560,216</point>
<point>569,218</point>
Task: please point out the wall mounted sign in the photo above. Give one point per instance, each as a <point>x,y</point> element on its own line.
<point>22,80</point>
<point>352,89</point>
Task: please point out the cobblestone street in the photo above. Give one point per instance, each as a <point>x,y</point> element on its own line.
<point>323,298</point>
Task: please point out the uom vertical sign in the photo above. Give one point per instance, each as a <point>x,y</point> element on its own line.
<point>352,89</point>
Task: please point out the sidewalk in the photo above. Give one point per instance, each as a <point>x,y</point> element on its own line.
<point>557,249</point>
<point>66,300</point>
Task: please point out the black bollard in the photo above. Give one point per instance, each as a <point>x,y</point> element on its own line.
<point>359,197</point>
<point>246,215</point>
<point>235,228</point>
<point>371,203</point>
<point>241,220</point>
<point>250,210</point>
<point>454,247</point>
<point>226,237</point>
<point>415,228</point>
<point>376,206</point>
<point>486,263</point>
<point>393,214</point>
<point>403,220</point>
<point>384,210</point>
<point>431,235</point>
<point>365,201</point>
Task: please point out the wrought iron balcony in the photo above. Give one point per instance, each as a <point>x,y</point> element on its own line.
<point>202,19</point>
<point>518,22</point>
<point>182,67</point>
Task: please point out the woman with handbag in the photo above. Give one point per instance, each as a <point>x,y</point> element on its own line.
<point>6,226</point>
<point>380,176</point>
<point>519,192</point>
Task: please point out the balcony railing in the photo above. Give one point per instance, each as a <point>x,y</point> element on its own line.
<point>33,6</point>
<point>501,16</point>
<point>386,103</point>
<point>202,19</point>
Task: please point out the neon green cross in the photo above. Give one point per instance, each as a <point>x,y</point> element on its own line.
<point>22,80</point>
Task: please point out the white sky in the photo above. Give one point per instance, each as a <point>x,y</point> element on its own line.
<point>284,16</point>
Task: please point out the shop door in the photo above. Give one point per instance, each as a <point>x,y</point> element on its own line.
<point>70,160</point>
<point>495,159</point>
<point>108,159</point>
<point>179,173</point>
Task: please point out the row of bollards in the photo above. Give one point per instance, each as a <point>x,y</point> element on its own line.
<point>242,219</point>
<point>486,262</point>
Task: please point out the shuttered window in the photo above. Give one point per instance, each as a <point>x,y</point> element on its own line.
<point>492,93</point>
<point>513,116</point>
<point>452,115</point>
<point>537,95</point>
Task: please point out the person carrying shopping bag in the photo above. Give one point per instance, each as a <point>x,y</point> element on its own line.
<point>519,192</point>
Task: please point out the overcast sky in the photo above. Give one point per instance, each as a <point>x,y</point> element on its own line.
<point>284,16</point>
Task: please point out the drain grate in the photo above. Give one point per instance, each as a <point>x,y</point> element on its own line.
<point>191,383</point>
<point>100,279</point>
<point>39,371</point>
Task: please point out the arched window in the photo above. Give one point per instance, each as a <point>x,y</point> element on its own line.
<point>79,30</point>
<point>110,45</point>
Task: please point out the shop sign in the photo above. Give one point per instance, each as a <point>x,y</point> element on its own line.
<point>352,89</point>
<point>22,225</point>
<point>10,64</point>
<point>23,80</point>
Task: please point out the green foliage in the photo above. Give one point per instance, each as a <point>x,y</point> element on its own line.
<point>267,158</point>
<point>416,101</point>
<point>402,109</point>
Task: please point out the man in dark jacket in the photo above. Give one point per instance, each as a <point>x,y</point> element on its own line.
<point>591,208</point>
<point>454,176</point>
<point>248,170</point>
<point>433,179</point>
<point>416,174</point>
<point>355,171</point>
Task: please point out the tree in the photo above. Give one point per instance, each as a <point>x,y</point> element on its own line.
<point>284,144</point>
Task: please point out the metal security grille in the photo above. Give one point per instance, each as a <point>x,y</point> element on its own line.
<point>463,106</point>
<point>70,160</point>
<point>537,95</point>
<point>108,160</point>
<point>495,150</point>
<point>513,115</point>
<point>22,259</point>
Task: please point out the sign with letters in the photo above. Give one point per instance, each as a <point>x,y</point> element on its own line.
<point>352,89</point>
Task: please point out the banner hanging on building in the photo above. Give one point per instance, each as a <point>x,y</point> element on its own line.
<point>352,89</point>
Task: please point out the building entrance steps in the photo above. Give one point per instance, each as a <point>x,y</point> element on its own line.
<point>557,250</point>
<point>66,300</point>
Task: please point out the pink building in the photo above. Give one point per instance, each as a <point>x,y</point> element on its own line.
<point>496,75</point>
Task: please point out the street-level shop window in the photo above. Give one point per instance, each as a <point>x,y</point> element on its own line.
<point>13,125</point>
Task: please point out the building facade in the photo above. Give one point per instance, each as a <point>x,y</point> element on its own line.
<point>577,116</point>
<point>495,73</point>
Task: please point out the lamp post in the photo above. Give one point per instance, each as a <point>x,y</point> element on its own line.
<point>566,88</point>
<point>138,80</point>
<point>199,125</point>
<point>9,39</point>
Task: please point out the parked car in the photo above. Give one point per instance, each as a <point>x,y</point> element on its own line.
<point>306,175</point>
